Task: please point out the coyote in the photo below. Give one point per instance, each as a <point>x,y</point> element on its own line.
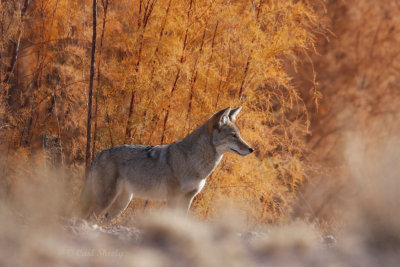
<point>176,172</point>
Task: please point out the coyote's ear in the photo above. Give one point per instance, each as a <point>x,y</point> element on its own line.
<point>223,116</point>
<point>233,113</point>
<point>218,119</point>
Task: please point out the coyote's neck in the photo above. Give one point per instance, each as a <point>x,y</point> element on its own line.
<point>200,151</point>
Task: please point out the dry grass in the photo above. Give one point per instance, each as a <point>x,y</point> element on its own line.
<point>32,232</point>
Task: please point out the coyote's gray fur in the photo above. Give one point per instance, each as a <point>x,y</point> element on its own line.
<point>176,172</point>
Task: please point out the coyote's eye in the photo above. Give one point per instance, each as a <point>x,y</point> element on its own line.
<point>234,135</point>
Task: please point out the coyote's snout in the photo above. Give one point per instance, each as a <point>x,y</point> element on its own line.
<point>176,172</point>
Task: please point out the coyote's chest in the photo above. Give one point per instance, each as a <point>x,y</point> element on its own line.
<point>194,186</point>
<point>196,179</point>
<point>207,166</point>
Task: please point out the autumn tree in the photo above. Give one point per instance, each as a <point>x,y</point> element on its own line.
<point>166,66</point>
<point>90,92</point>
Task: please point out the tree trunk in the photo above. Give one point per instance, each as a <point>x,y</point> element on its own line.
<point>246,68</point>
<point>211,56</point>
<point>14,58</point>
<point>105,8</point>
<point>194,78</point>
<point>90,93</point>
<point>16,47</point>
<point>177,74</point>
<point>147,10</point>
<point>159,38</point>
<point>58,125</point>
<point>1,73</point>
<point>154,63</point>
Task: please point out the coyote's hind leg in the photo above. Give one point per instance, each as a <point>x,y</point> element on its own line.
<point>119,205</point>
<point>109,200</point>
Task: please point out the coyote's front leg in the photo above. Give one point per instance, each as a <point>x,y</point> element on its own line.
<point>181,201</point>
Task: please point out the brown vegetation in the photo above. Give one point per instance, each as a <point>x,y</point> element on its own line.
<point>357,70</point>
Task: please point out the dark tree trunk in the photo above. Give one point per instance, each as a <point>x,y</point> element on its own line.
<point>211,56</point>
<point>177,74</point>
<point>147,10</point>
<point>249,57</point>
<point>193,81</point>
<point>105,8</point>
<point>90,93</point>
<point>16,46</point>
<point>14,58</point>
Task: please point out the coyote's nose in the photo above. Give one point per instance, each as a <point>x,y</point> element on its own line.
<point>251,150</point>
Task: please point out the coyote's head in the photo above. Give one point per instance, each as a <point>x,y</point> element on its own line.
<point>225,134</point>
